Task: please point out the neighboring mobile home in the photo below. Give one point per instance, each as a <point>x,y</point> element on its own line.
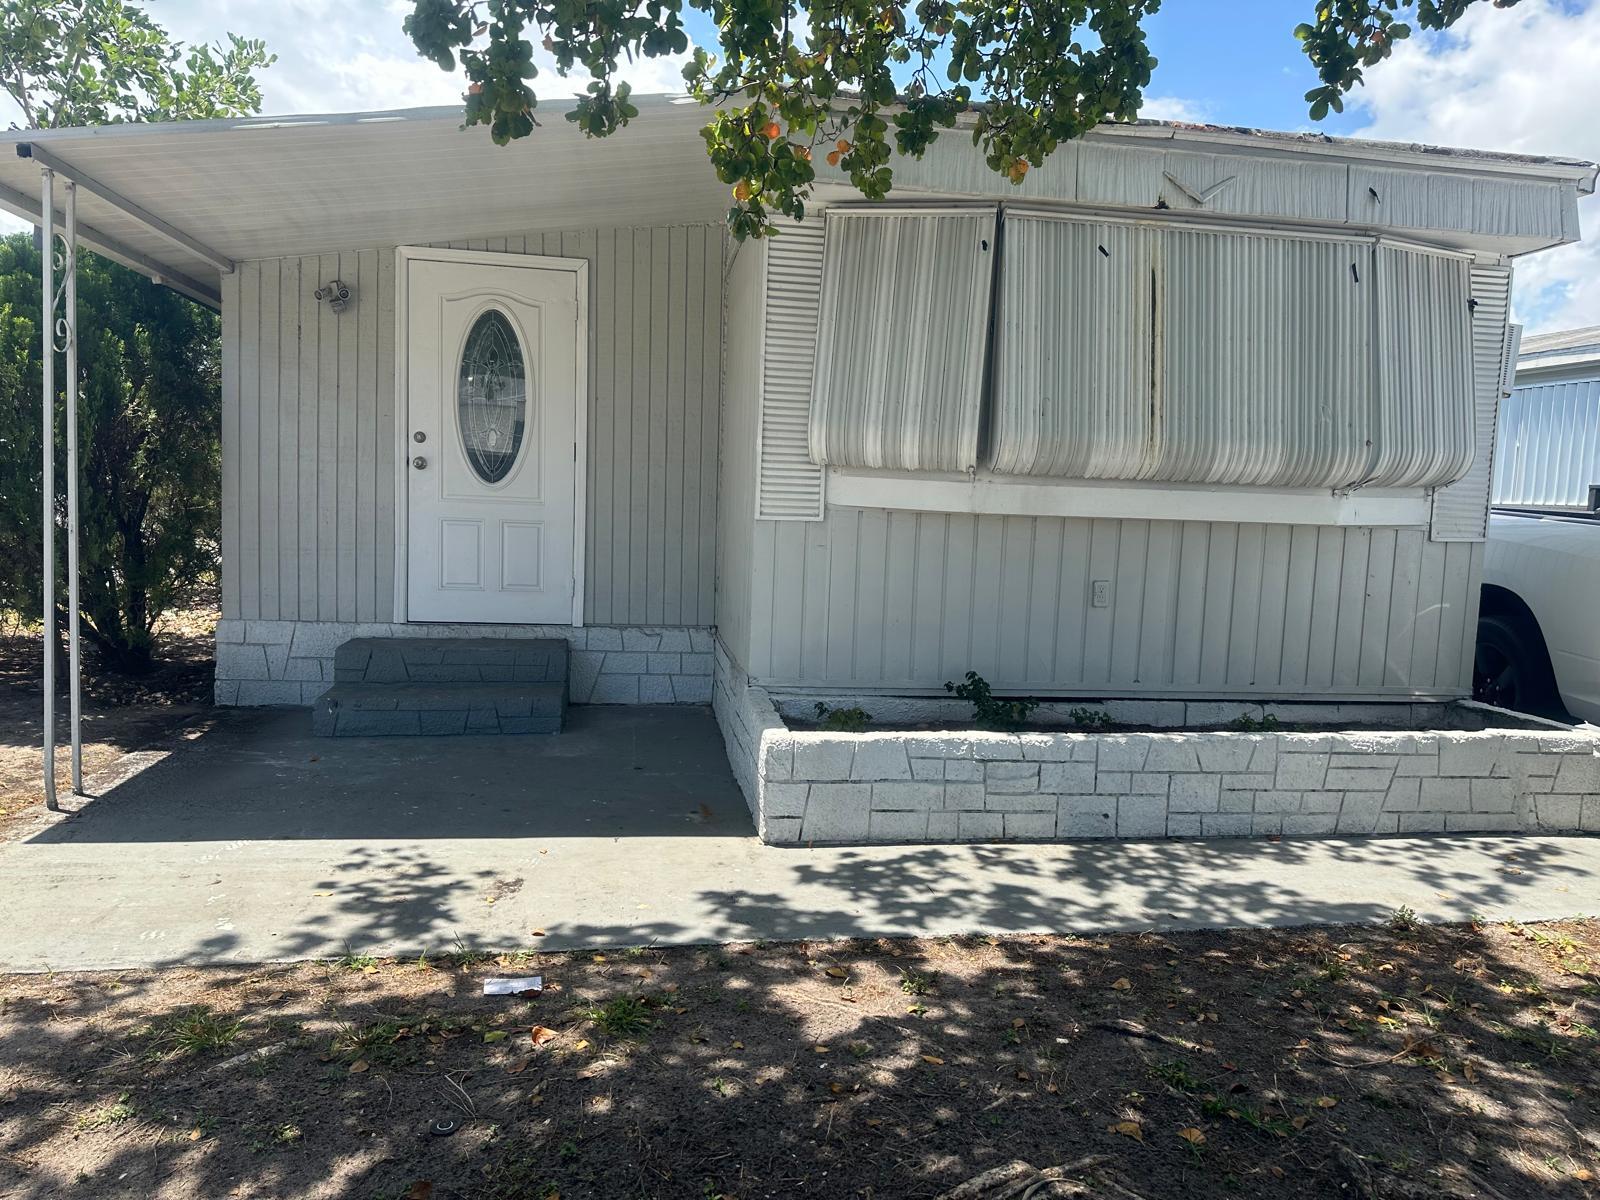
<point>1548,451</point>
<point>1192,412</point>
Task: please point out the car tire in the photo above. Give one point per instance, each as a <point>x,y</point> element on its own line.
<point>1511,668</point>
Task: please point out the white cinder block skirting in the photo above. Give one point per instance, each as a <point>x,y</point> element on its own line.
<point>809,787</point>
<point>291,662</point>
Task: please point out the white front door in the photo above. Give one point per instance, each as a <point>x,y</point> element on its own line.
<point>491,403</point>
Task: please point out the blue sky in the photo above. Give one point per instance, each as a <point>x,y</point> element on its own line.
<point>1525,79</point>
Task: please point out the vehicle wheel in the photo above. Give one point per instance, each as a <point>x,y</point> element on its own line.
<point>1511,668</point>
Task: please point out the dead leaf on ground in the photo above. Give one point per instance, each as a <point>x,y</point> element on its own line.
<point>1193,1136</point>
<point>836,973</point>
<point>1325,1101</point>
<point>540,1034</point>
<point>359,1066</point>
<point>933,1060</point>
<point>1130,1129</point>
<point>422,1189</point>
<point>1122,985</point>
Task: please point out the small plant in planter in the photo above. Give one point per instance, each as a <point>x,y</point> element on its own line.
<point>988,710</point>
<point>843,720</point>
<point>1090,718</point>
<point>1245,723</point>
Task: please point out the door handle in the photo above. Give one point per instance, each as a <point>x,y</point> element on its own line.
<point>419,462</point>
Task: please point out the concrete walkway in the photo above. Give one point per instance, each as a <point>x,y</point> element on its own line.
<point>257,842</point>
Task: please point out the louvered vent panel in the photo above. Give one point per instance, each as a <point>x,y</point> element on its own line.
<point>1461,510</point>
<point>789,484</point>
<point>905,311</point>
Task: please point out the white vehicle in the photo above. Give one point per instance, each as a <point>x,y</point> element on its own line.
<point>1539,625</point>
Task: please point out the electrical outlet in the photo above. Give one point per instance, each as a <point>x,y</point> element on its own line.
<point>1100,593</point>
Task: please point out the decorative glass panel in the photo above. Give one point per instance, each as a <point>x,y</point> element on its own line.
<point>492,396</point>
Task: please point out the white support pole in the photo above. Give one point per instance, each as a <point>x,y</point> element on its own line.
<point>47,438</point>
<point>70,320</point>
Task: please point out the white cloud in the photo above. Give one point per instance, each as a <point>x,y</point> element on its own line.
<point>1172,108</point>
<point>1523,79</point>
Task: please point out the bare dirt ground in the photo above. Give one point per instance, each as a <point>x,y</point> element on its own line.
<point>1398,1062</point>
<point>120,713</point>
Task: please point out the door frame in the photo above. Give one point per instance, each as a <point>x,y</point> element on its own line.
<point>579,269</point>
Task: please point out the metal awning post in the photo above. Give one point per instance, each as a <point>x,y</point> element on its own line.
<point>69,335</point>
<point>47,351</point>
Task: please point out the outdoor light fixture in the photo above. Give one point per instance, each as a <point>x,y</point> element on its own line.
<point>337,294</point>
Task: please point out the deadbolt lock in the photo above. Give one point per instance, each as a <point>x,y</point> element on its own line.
<point>419,436</point>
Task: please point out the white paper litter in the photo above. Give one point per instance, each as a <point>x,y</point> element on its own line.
<point>515,986</point>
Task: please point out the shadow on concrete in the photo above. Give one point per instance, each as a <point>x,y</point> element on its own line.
<point>260,775</point>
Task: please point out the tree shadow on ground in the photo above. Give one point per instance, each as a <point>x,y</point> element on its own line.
<point>1400,1062</point>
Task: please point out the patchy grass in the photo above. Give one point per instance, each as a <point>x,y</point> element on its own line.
<point>1427,1063</point>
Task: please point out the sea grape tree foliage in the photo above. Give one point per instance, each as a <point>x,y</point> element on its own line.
<point>857,81</point>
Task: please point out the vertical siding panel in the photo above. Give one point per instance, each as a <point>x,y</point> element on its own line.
<point>927,599</point>
<point>955,634</point>
<point>1271,633</point>
<point>987,570</point>
<point>1042,618</point>
<point>1375,619</point>
<point>1158,618</point>
<point>1430,596</point>
<point>711,419</point>
<point>1127,601</point>
<point>788,547</point>
<point>310,437</point>
<point>660,359</point>
<point>623,465</point>
<point>386,464</point>
<point>327,450</point>
<point>232,443</point>
<point>1452,615</point>
<point>250,440</point>
<point>1244,597</point>
<point>670,456</point>
<point>763,590</point>
<point>1217,626</point>
<point>601,545</point>
<point>867,578</point>
<point>1097,634</point>
<point>813,633</point>
<point>1016,594</point>
<point>842,598</point>
<point>288,516</point>
<point>1403,600</point>
<point>268,445</point>
<point>349,418</point>
<point>1352,609</point>
<point>1466,651</point>
<point>269,439</point>
<point>645,348</point>
<point>1192,595</point>
<point>901,565</point>
<point>1072,606</point>
<point>1297,616</point>
<point>1325,600</point>
<point>365,326</point>
<point>694,470</point>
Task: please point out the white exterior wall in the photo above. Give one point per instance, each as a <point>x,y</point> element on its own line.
<point>1549,447</point>
<point>741,391</point>
<point>309,467</point>
<point>870,598</point>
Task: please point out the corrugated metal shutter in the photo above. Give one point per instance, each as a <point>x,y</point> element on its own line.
<point>1461,510</point>
<point>1423,434</point>
<point>904,322</point>
<point>1549,446</point>
<point>1073,348</point>
<point>789,484</point>
<point>1267,356</point>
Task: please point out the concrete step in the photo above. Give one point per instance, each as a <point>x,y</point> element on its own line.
<point>402,709</point>
<point>451,660</point>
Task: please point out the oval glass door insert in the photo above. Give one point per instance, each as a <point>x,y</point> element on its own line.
<point>492,396</point>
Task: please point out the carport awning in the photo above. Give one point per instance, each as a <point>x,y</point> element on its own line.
<point>263,187</point>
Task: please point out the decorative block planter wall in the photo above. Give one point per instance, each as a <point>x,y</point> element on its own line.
<point>291,662</point>
<point>814,787</point>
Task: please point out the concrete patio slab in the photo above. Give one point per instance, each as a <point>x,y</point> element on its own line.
<point>258,842</point>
